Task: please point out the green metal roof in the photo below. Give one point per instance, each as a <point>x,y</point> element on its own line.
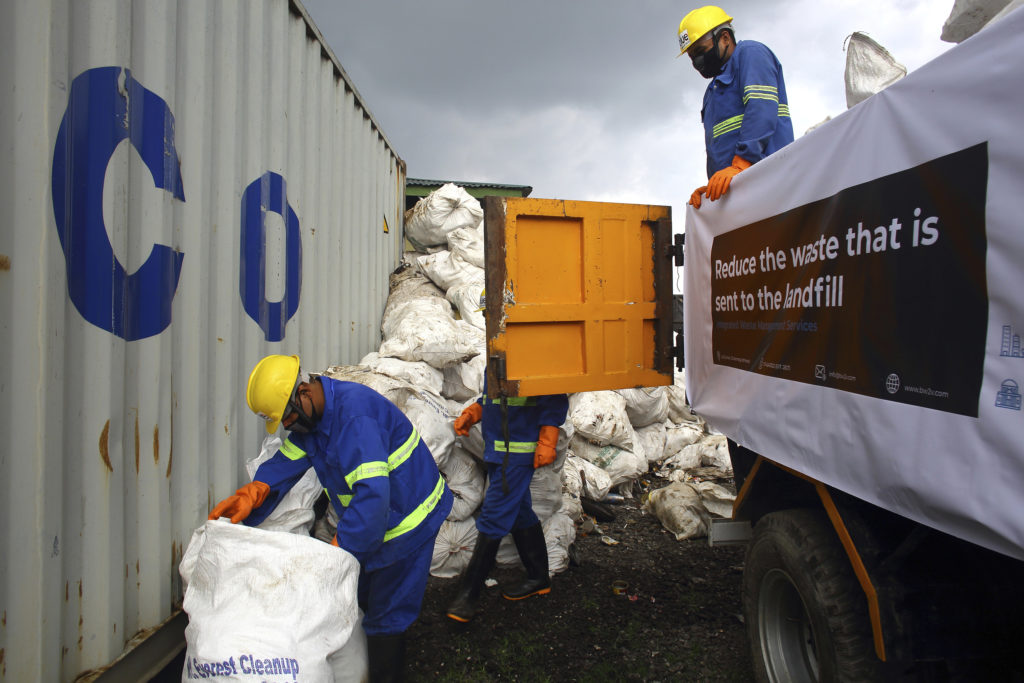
<point>421,187</point>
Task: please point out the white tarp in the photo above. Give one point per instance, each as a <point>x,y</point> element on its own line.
<point>887,362</point>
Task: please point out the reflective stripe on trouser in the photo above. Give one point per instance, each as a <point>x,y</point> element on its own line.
<point>500,513</point>
<point>515,446</point>
<point>391,596</point>
<point>512,401</point>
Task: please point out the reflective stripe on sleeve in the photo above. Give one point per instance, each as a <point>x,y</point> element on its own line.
<point>291,451</point>
<point>404,451</point>
<point>414,519</point>
<point>344,500</point>
<point>516,446</point>
<point>760,92</point>
<point>730,124</point>
<point>377,468</point>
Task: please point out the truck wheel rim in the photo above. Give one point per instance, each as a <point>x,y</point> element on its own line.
<point>787,639</point>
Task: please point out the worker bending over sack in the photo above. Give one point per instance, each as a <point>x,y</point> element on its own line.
<point>380,477</point>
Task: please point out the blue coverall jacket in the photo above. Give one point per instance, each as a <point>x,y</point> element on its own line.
<point>746,111</point>
<point>379,475</point>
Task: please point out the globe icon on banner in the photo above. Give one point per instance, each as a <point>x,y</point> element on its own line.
<point>892,383</point>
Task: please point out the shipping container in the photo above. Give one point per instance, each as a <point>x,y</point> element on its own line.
<point>187,186</point>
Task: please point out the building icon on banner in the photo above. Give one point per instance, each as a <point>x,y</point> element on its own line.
<point>1011,344</point>
<point>1008,396</point>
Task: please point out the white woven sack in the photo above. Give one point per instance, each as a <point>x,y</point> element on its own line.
<point>294,513</point>
<point>968,17</point>
<point>468,245</point>
<point>436,339</point>
<point>653,439</point>
<point>468,298</point>
<point>417,373</point>
<point>559,534</point>
<point>716,498</point>
<point>645,405</point>
<point>679,509</point>
<point>678,437</point>
<point>869,69</point>
<point>621,465</point>
<point>453,547</point>
<point>678,407</point>
<point>447,208</point>
<point>268,602</point>
<point>447,270</point>
<point>572,506</point>
<point>600,417</point>
<point>466,480</point>
<point>583,479</point>
<point>714,452</point>
<point>465,381</point>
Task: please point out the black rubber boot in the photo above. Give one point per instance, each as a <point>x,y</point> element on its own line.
<point>533,551</point>
<point>463,607</point>
<point>386,655</point>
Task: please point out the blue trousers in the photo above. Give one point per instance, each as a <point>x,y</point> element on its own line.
<point>391,596</point>
<point>502,512</point>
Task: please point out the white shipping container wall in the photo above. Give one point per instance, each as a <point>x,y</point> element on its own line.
<point>186,186</point>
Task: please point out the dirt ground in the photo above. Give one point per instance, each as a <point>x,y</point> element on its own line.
<point>679,619</point>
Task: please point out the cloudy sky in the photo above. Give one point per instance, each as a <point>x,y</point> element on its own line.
<point>585,99</point>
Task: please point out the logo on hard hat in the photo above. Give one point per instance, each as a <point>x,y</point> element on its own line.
<point>684,40</point>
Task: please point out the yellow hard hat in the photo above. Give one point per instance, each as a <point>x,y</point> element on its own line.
<point>698,22</point>
<point>271,384</point>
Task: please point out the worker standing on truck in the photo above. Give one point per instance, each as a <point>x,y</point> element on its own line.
<point>380,476</point>
<point>520,435</point>
<point>745,110</point>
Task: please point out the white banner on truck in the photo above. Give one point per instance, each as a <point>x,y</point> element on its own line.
<point>854,305</point>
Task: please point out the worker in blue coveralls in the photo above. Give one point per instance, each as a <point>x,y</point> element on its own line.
<point>380,477</point>
<point>745,110</point>
<point>520,435</point>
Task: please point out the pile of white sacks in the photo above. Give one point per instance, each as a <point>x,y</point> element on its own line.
<point>431,364</point>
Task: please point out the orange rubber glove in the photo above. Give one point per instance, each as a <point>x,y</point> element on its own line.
<point>240,505</point>
<point>695,197</point>
<point>547,442</point>
<point>719,182</point>
<point>334,541</point>
<point>469,417</point>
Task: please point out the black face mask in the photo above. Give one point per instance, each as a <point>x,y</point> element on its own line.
<point>304,423</point>
<point>709,63</point>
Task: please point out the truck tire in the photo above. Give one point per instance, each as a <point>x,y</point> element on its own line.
<point>806,614</point>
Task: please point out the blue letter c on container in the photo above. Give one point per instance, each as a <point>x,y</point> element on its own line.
<point>267,193</point>
<point>102,112</point>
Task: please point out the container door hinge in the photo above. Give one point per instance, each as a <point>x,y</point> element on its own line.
<point>498,363</point>
<point>678,242</point>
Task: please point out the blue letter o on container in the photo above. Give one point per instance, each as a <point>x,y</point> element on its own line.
<point>268,193</point>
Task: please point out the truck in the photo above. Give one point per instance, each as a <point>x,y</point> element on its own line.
<point>852,320</point>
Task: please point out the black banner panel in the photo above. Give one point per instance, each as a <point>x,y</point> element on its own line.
<point>878,290</point>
